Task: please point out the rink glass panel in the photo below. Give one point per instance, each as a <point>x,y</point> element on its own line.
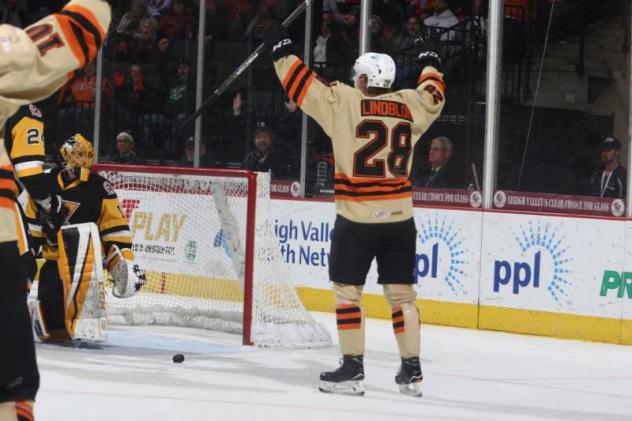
<point>145,91</point>
<point>565,87</point>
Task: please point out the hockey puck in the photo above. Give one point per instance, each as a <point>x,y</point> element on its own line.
<point>178,358</point>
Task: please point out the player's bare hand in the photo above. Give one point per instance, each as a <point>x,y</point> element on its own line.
<point>237,103</point>
<point>163,44</point>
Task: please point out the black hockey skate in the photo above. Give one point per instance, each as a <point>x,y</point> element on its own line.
<point>345,380</point>
<point>409,376</point>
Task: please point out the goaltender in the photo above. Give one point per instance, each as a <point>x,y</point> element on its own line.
<point>86,198</point>
<point>34,63</point>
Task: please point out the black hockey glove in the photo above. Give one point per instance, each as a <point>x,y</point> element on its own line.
<point>429,55</point>
<point>276,38</point>
<point>52,219</point>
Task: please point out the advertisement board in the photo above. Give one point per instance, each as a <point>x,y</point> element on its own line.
<point>549,263</point>
<point>165,236</point>
<point>448,244</point>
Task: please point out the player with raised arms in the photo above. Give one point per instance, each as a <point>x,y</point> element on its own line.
<point>34,63</point>
<point>373,132</point>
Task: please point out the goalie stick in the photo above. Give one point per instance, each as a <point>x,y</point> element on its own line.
<point>242,68</point>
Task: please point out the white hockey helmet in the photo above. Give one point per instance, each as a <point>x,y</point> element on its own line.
<point>378,68</point>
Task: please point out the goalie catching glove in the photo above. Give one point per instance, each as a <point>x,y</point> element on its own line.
<point>128,277</point>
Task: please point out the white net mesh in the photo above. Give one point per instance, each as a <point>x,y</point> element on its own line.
<point>189,235</point>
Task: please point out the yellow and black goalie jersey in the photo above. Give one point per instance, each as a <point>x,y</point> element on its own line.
<point>91,201</point>
<point>373,137</point>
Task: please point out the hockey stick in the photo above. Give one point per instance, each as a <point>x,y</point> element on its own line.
<point>242,68</point>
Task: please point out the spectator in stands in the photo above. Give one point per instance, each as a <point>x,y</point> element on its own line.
<point>216,21</point>
<point>390,11</point>
<point>261,20</point>
<point>157,8</point>
<point>350,36</point>
<point>331,7</point>
<point>12,14</point>
<point>419,8</point>
<point>441,19</point>
<point>206,158</point>
<point>263,157</point>
<point>121,48</point>
<point>130,22</point>
<point>76,98</point>
<point>390,42</point>
<point>124,150</point>
<point>375,28</point>
<point>411,36</point>
<point>180,101</point>
<point>438,173</point>
<point>178,23</point>
<point>166,59</point>
<point>238,9</point>
<point>144,45</point>
<point>141,99</point>
<point>610,180</point>
<point>327,48</point>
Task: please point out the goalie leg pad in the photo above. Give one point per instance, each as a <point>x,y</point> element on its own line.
<point>50,303</point>
<point>80,266</point>
<point>405,315</point>
<point>349,318</point>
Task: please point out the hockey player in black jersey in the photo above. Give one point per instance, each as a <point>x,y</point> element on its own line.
<point>24,140</point>
<point>87,198</point>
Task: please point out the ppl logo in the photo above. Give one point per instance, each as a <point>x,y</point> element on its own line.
<point>544,262</point>
<point>128,206</point>
<point>442,255</point>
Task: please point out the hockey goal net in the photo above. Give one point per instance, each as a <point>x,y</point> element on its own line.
<point>206,240</point>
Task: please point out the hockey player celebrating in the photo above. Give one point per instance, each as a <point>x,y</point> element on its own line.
<point>34,63</point>
<point>88,198</point>
<point>373,132</point>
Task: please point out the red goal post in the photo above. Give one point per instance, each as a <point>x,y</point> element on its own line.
<point>214,238</point>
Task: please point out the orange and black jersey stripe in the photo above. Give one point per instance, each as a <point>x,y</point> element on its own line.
<point>360,189</point>
<point>297,82</point>
<point>8,187</point>
<point>82,31</point>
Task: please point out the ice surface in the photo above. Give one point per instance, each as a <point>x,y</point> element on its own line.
<point>469,375</point>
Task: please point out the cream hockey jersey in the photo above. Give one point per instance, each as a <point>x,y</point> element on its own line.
<point>373,137</point>
<point>36,62</point>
